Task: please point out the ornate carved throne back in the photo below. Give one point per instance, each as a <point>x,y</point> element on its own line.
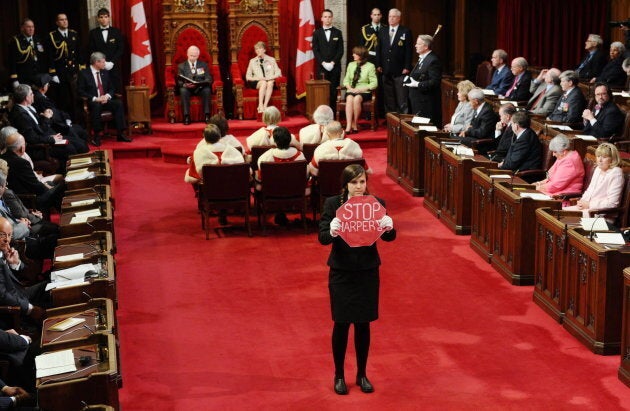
<point>251,21</point>
<point>187,23</point>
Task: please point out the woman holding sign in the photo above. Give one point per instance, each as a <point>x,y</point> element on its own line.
<point>353,280</point>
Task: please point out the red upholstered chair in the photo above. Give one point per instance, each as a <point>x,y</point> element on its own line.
<point>249,25</point>
<point>185,27</point>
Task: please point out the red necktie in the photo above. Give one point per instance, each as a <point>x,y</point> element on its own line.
<point>540,96</point>
<point>99,84</point>
<point>512,88</point>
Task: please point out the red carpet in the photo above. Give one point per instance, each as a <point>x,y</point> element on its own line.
<point>238,323</point>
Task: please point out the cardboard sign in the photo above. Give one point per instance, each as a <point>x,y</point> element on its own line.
<point>359,220</point>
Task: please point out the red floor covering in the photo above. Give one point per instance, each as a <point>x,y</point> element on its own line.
<point>238,323</point>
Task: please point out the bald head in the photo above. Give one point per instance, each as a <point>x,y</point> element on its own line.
<point>5,226</point>
<point>15,142</point>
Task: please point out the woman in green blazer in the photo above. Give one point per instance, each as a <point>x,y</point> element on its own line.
<point>359,82</point>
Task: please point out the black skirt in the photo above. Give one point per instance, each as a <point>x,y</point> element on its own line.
<point>354,295</point>
<point>366,96</point>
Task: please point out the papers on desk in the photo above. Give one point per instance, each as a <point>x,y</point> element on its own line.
<point>69,257</point>
<point>594,224</point>
<point>82,202</point>
<point>70,276</point>
<point>61,142</point>
<point>427,128</point>
<point>500,176</point>
<point>54,363</point>
<point>47,179</point>
<point>609,238</point>
<point>560,127</point>
<point>462,150</point>
<point>586,137</point>
<point>66,324</point>
<point>79,174</point>
<point>488,92</point>
<point>420,120</point>
<point>536,196</point>
<point>82,216</point>
<point>84,161</point>
<point>621,93</point>
<point>514,103</point>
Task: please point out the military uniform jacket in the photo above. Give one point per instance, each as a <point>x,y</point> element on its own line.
<point>64,54</point>
<point>26,59</point>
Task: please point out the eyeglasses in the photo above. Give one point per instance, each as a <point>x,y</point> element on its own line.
<point>4,236</point>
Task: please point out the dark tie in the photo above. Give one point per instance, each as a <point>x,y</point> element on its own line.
<point>392,32</point>
<point>193,69</point>
<point>262,67</point>
<point>586,60</point>
<point>99,84</point>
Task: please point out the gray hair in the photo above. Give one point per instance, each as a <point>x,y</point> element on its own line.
<point>426,39</point>
<point>271,115</point>
<point>626,64</point>
<point>502,54</point>
<point>520,61</point>
<point>559,143</point>
<point>571,76</point>
<point>596,38</point>
<point>334,128</point>
<point>323,115</point>
<point>395,11</point>
<point>619,46</point>
<point>7,131</point>
<point>476,94</point>
<point>21,92</point>
<point>96,56</point>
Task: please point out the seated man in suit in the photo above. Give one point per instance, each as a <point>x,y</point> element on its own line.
<point>36,129</point>
<point>571,104</point>
<point>336,148</point>
<point>12,292</point>
<point>605,120</point>
<point>96,86</point>
<point>525,153</point>
<point>484,119</point>
<point>198,72</point>
<point>545,91</point>
<point>14,398</point>
<point>315,133</point>
<point>594,60</point>
<point>503,134</point>
<point>519,89</point>
<point>502,77</point>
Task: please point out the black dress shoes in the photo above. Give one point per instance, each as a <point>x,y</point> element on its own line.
<point>207,118</point>
<point>186,120</point>
<point>365,384</point>
<point>96,140</point>
<point>124,138</point>
<point>340,386</point>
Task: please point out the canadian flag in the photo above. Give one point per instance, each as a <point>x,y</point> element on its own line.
<point>141,57</point>
<point>305,57</point>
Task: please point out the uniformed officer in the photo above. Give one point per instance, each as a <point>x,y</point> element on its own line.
<point>27,59</point>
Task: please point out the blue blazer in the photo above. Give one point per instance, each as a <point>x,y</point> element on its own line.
<point>501,82</point>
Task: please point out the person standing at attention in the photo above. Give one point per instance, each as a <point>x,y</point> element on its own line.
<point>353,280</point>
<point>328,50</point>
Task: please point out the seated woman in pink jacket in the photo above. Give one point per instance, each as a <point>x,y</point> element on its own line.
<point>567,173</point>
<point>606,185</point>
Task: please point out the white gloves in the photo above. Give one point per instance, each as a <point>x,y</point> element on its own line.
<point>335,226</point>
<point>386,223</point>
<point>328,66</point>
<point>68,122</point>
<point>411,83</point>
<point>109,65</point>
<point>15,84</point>
<point>55,79</point>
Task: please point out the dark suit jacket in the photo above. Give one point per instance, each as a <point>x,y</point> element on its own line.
<point>87,85</point>
<point>33,132</point>
<point>609,122</point>
<point>184,69</point>
<point>521,92</point>
<point>570,109</point>
<point>342,256</point>
<point>325,51</point>
<point>426,99</point>
<point>21,177</point>
<point>504,143</point>
<point>11,291</point>
<point>482,126</point>
<point>613,73</point>
<point>58,120</point>
<point>524,154</point>
<point>594,66</point>
<point>394,58</point>
<point>369,38</point>
<point>64,54</point>
<point>26,62</point>
<point>12,347</point>
<point>114,47</point>
<point>502,81</point>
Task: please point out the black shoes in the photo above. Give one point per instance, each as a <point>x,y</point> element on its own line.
<point>186,120</point>
<point>96,140</point>
<point>124,138</point>
<point>207,118</point>
<point>340,386</point>
<point>365,384</point>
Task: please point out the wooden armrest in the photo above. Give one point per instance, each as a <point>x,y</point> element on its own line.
<point>532,175</point>
<point>567,196</point>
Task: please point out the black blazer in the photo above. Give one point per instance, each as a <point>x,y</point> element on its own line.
<point>64,58</point>
<point>482,125</point>
<point>524,154</point>
<point>394,58</point>
<point>569,109</point>
<point>12,347</point>
<point>613,74</point>
<point>609,122</point>
<point>33,132</point>
<point>342,256</point>
<point>58,120</point>
<point>22,179</point>
<point>328,50</point>
<point>594,66</point>
<point>114,47</point>
<point>11,291</point>
<point>504,143</point>
<point>87,85</point>
<point>521,90</point>
<point>184,69</point>
<point>426,99</point>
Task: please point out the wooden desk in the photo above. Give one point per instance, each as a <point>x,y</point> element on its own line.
<point>76,198</point>
<point>594,292</point>
<point>624,367</point>
<point>103,223</point>
<point>317,93</point>
<point>98,314</point>
<point>97,243</point>
<point>104,286</point>
<point>482,217</point>
<point>394,150</point>
<point>551,255</point>
<point>97,156</point>
<point>95,383</point>
<point>432,174</point>
<point>514,231</point>
<point>138,108</point>
<point>102,175</point>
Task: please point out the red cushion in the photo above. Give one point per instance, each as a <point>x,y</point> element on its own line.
<point>252,35</point>
<point>188,37</point>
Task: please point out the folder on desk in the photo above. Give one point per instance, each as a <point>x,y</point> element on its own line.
<point>66,324</point>
<point>54,363</point>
